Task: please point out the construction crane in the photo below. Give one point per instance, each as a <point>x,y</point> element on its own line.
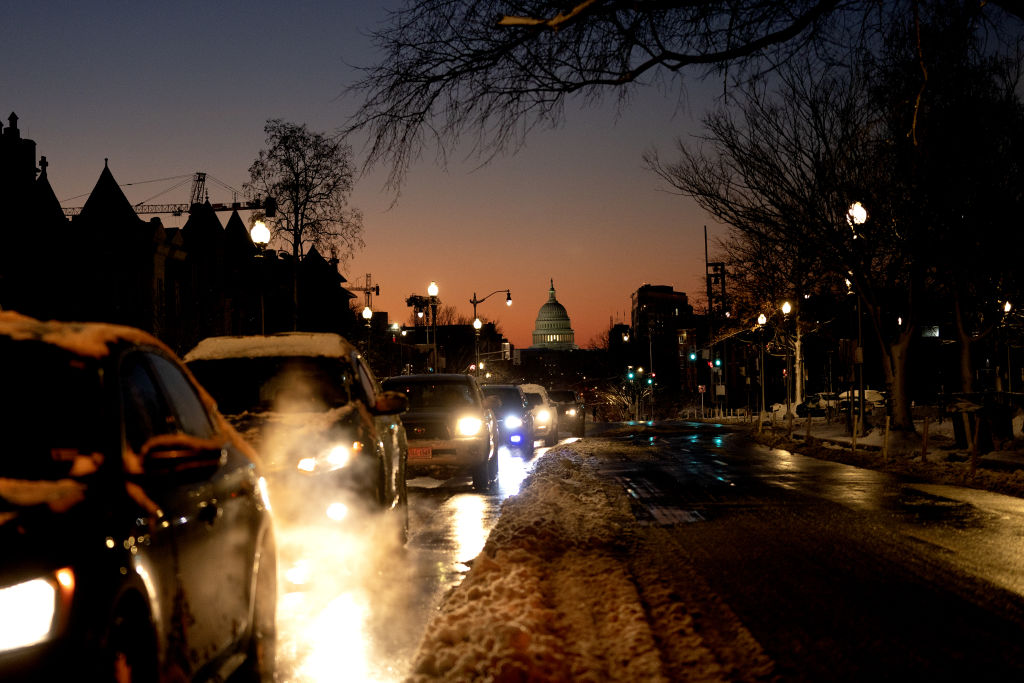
<point>369,289</point>
<point>198,196</point>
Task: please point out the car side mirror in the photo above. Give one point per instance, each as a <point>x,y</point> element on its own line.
<point>180,456</point>
<point>391,403</point>
<point>492,402</point>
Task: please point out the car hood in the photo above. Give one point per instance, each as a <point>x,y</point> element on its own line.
<point>281,438</point>
<point>440,413</point>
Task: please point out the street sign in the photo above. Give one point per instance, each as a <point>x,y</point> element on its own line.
<point>701,388</point>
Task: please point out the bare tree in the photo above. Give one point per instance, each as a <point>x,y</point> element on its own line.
<point>501,68</point>
<point>310,176</point>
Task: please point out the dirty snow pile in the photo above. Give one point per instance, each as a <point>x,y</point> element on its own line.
<point>554,595</point>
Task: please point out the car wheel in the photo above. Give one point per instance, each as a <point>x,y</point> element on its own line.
<point>130,652</point>
<point>482,477</point>
<point>262,651</point>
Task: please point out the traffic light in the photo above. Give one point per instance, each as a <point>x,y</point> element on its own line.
<point>718,362</point>
<point>630,374</point>
<point>693,356</point>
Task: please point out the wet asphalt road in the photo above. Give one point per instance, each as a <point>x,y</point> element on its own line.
<point>840,573</point>
<point>354,607</point>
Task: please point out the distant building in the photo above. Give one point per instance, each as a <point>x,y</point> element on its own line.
<point>663,334</point>
<point>109,265</point>
<point>553,329</point>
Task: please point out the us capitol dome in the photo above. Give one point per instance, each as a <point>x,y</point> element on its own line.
<point>553,330</point>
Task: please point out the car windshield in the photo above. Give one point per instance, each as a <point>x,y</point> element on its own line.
<point>433,394</point>
<point>534,400</point>
<point>510,398</point>
<point>563,396</point>
<point>280,384</point>
<point>50,410</point>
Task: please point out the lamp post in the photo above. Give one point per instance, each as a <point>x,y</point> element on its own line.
<point>260,235</point>
<point>761,320</point>
<point>432,291</point>
<point>786,308</point>
<point>367,316</point>
<point>856,216</point>
<point>477,324</point>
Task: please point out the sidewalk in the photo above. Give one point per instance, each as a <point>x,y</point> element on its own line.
<point>1000,470</point>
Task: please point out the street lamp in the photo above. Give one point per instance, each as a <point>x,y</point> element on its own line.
<point>761,320</point>
<point>855,216</point>
<point>367,316</point>
<point>432,291</point>
<point>786,308</point>
<point>476,321</point>
<point>260,235</point>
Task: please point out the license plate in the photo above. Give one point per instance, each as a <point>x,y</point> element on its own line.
<point>419,452</point>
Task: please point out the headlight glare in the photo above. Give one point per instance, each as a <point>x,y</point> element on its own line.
<point>26,613</point>
<point>544,416</point>
<point>338,456</point>
<point>513,422</point>
<point>469,426</point>
<point>571,412</point>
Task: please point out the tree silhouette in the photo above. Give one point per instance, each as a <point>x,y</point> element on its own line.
<point>499,69</point>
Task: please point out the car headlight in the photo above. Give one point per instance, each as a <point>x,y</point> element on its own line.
<point>333,458</point>
<point>469,426</point>
<point>28,609</point>
<point>513,422</point>
<point>544,416</point>
<point>571,412</point>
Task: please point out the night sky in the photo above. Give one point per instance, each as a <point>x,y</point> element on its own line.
<point>165,90</point>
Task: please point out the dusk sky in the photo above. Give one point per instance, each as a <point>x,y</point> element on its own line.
<point>166,90</point>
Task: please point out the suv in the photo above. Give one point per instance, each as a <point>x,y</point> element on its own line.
<point>817,405</point>
<point>515,419</point>
<point>137,538</point>
<point>571,413</point>
<point>545,413</point>
<point>310,406</point>
<point>450,425</point>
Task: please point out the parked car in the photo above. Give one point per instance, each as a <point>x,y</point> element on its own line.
<point>309,404</point>
<point>515,419</point>
<point>137,540</point>
<point>872,399</point>
<point>545,413</point>
<point>450,426</point>
<point>572,415</point>
<point>817,405</point>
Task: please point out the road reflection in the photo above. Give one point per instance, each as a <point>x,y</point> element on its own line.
<point>352,605</point>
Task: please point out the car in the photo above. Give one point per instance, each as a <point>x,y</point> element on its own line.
<point>515,419</point>
<point>872,399</point>
<point>137,538</point>
<point>572,415</point>
<point>332,442</point>
<point>817,405</point>
<point>450,425</point>
<point>545,413</point>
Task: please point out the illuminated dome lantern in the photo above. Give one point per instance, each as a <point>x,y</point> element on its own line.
<point>553,330</point>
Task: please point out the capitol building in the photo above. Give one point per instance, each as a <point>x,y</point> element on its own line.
<point>553,329</point>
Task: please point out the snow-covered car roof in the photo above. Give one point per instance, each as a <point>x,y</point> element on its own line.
<point>325,344</point>
<point>87,339</point>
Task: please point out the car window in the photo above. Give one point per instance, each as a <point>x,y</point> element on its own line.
<point>435,394</point>
<point>146,412</point>
<point>192,416</point>
<point>278,383</point>
<point>534,400</point>
<point>367,381</point>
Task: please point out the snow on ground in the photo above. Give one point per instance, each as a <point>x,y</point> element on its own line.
<point>558,593</point>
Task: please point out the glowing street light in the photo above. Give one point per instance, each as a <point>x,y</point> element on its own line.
<point>260,234</point>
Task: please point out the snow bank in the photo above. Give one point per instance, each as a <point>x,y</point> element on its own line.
<point>550,597</point>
